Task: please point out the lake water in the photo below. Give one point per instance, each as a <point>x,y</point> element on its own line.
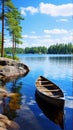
<point>29,110</point>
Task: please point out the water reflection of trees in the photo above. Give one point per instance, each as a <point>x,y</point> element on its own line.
<point>61,59</point>
<point>38,58</point>
<point>52,112</point>
<point>12,102</point>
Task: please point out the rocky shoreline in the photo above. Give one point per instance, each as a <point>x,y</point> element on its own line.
<point>9,70</point>
<point>12,69</point>
<point>6,124</point>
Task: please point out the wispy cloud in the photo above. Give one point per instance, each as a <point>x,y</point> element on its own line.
<point>56,31</point>
<point>62,20</point>
<point>49,9</point>
<point>31,36</point>
<point>49,37</point>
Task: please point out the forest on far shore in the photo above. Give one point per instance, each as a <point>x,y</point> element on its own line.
<point>53,49</point>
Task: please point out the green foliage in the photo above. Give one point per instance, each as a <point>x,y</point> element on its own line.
<point>9,50</point>
<point>61,49</point>
<point>13,23</point>
<point>54,49</point>
<point>39,50</point>
<point>10,56</point>
<point>9,4</point>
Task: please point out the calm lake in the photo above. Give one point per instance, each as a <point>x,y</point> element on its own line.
<point>33,113</point>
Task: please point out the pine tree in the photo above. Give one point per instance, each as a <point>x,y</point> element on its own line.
<point>7,5</point>
<point>13,23</point>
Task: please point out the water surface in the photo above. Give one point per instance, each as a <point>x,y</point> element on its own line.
<point>30,111</point>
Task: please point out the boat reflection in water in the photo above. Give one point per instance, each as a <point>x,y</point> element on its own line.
<point>52,112</point>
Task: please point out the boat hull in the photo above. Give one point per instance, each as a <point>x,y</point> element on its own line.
<point>51,111</point>
<point>59,102</point>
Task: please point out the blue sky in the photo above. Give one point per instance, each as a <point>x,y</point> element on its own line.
<point>47,22</point>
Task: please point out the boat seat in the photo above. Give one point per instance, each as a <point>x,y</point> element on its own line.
<point>46,85</point>
<point>56,96</point>
<point>54,90</point>
<point>45,89</point>
<point>51,95</point>
<point>42,81</point>
<point>47,93</point>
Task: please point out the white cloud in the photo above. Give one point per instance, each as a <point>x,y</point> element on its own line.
<point>31,36</point>
<point>56,10</point>
<point>56,31</point>
<point>50,9</point>
<point>30,9</point>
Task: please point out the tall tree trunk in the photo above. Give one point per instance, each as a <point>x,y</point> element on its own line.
<point>13,48</point>
<point>2,46</point>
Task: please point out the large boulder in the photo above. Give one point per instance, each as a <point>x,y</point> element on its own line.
<point>12,69</point>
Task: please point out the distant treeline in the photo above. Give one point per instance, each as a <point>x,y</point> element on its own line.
<point>54,49</point>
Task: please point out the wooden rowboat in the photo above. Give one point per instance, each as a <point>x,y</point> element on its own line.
<point>49,91</point>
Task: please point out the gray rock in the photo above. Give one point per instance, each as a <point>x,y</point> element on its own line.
<point>12,69</point>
